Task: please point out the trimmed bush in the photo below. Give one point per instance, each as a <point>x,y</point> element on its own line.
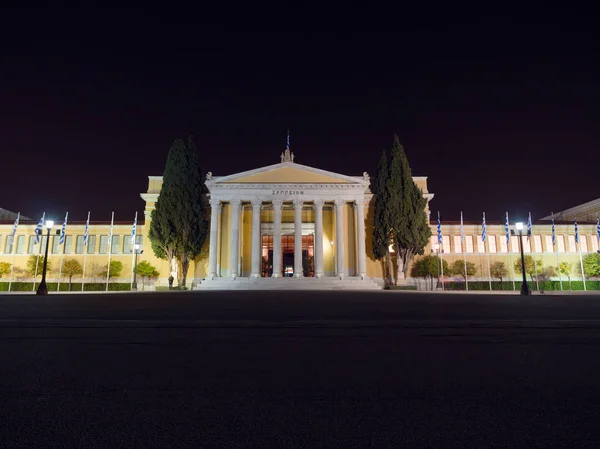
<point>507,285</point>
<point>64,286</point>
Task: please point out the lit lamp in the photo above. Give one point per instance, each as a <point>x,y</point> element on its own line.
<point>524,287</point>
<point>43,289</point>
<point>136,251</point>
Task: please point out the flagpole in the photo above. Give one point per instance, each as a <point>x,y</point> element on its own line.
<point>555,248</point>
<point>509,249</point>
<point>462,238</point>
<point>12,248</point>
<point>112,218</point>
<point>133,235</point>
<point>485,240</point>
<point>85,246</point>
<point>64,244</point>
<point>581,263</point>
<point>37,260</point>
<point>531,244</point>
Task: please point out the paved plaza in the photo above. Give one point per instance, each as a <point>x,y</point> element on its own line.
<point>299,369</point>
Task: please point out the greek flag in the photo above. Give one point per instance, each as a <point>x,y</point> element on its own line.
<point>462,229</point>
<point>63,230</point>
<point>598,226</point>
<point>529,227</point>
<point>87,231</point>
<point>553,232</point>
<point>14,231</point>
<point>576,231</point>
<point>287,146</point>
<point>439,231</point>
<point>506,229</point>
<point>39,229</point>
<point>483,229</point>
<point>133,229</point>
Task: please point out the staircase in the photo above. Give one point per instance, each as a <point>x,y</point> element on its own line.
<point>309,283</point>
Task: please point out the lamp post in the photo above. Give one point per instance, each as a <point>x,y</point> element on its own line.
<point>524,287</point>
<point>43,289</point>
<point>136,251</point>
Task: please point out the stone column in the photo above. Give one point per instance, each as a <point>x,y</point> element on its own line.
<point>235,237</point>
<point>360,230</point>
<point>339,236</point>
<point>298,272</point>
<point>277,205</point>
<point>256,243</point>
<point>215,211</point>
<point>318,206</point>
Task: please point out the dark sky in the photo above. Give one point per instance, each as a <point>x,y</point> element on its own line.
<point>500,112</point>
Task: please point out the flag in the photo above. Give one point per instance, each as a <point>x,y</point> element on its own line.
<point>110,233</point>
<point>462,229</point>
<point>439,231</point>
<point>39,228</point>
<point>553,232</point>
<point>576,231</point>
<point>529,227</point>
<point>133,230</point>
<point>506,229</point>
<point>63,230</point>
<point>14,231</point>
<point>87,231</point>
<point>287,146</point>
<point>483,230</point>
<point>598,226</point>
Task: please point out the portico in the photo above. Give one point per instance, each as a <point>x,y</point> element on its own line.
<point>287,220</point>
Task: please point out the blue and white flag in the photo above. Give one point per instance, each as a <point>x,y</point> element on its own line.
<point>483,229</point>
<point>287,146</point>
<point>439,231</point>
<point>39,228</point>
<point>598,227</point>
<point>553,232</point>
<point>87,231</point>
<point>529,227</point>
<point>576,231</point>
<point>63,230</point>
<point>110,233</point>
<point>462,229</point>
<point>14,231</point>
<point>506,229</point>
<point>133,231</point>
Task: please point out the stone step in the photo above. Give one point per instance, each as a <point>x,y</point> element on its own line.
<point>287,284</point>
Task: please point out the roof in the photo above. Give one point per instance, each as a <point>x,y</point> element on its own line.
<point>11,216</point>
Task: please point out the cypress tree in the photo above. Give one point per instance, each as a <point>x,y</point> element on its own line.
<point>381,231</point>
<point>394,199</point>
<point>413,231</point>
<point>179,223</point>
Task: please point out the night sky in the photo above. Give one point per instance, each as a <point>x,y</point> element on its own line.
<point>501,113</point>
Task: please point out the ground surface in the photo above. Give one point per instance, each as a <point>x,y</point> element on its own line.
<point>299,369</point>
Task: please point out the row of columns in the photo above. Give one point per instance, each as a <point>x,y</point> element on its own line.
<point>216,208</point>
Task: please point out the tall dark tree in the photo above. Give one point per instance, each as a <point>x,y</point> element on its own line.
<point>395,200</point>
<point>381,238</point>
<point>412,230</point>
<point>179,223</point>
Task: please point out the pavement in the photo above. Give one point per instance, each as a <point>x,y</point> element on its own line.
<point>299,370</point>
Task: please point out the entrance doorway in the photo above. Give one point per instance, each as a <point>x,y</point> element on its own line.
<point>287,255</point>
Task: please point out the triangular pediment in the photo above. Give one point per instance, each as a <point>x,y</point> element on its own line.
<point>287,173</point>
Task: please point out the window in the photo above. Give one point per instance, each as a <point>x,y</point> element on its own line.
<point>594,241</point>
<point>526,245</point>
<point>572,245</point>
<point>537,243</point>
<point>79,244</point>
<point>8,248</point>
<point>469,243</point>
<point>503,245</point>
<point>91,244</point>
<point>56,244</point>
<point>514,244</point>
<point>31,248</point>
<point>480,245</point>
<point>446,243</point>
<point>549,246</point>
<point>457,244</point>
<point>434,243</point>
<point>114,247</point>
<point>127,244</point>
<point>68,244</point>
<point>21,244</point>
<point>560,243</point>
<point>103,244</point>
<point>583,243</point>
<point>492,243</point>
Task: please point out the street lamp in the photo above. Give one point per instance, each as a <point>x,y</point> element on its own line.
<point>43,289</point>
<point>136,251</point>
<point>524,287</point>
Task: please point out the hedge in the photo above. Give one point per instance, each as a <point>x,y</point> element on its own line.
<point>175,287</point>
<point>508,285</point>
<point>64,286</point>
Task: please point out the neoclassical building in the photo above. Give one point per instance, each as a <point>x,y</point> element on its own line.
<point>290,225</point>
